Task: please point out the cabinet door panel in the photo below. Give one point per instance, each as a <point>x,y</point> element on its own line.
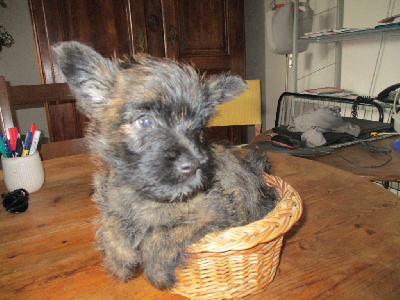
<point>97,23</point>
<point>105,25</point>
<point>207,33</point>
<point>148,27</point>
<point>210,35</point>
<point>202,28</point>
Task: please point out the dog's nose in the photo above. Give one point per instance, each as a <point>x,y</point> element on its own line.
<point>187,167</point>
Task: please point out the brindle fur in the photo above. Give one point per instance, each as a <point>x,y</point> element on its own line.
<point>161,186</point>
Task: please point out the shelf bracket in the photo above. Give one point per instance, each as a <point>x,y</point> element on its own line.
<point>295,53</point>
<point>338,45</point>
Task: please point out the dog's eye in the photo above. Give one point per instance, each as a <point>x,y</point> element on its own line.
<point>145,122</point>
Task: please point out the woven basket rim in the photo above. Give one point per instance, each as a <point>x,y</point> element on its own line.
<point>287,211</point>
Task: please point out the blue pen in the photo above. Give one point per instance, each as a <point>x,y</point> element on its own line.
<point>7,146</point>
<point>18,147</point>
<point>27,144</point>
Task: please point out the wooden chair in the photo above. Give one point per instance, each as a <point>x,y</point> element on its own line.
<point>62,131</point>
<point>64,124</point>
<point>244,110</point>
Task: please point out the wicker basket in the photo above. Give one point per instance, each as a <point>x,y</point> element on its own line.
<point>241,260</point>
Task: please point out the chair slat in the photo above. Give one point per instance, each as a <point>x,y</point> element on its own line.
<point>34,94</point>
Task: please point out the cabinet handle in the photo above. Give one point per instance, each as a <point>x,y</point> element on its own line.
<point>141,39</point>
<point>173,37</point>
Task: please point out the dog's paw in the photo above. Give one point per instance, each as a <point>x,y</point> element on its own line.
<point>161,278</point>
<point>119,269</point>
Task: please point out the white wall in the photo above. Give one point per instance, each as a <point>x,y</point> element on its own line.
<point>18,63</point>
<point>316,65</point>
<point>361,57</point>
<point>261,63</point>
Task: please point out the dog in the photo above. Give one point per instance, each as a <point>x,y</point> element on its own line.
<point>161,185</point>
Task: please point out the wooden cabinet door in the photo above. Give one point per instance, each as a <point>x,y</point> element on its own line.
<point>105,25</point>
<point>210,35</point>
<point>148,30</point>
<point>207,33</point>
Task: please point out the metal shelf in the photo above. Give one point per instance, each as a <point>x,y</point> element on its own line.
<point>354,35</point>
<point>336,38</point>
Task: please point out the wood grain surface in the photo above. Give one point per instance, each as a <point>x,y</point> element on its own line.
<point>345,245</point>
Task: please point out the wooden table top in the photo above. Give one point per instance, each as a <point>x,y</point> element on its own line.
<point>362,159</point>
<point>345,246</point>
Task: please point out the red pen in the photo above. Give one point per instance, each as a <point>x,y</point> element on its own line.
<point>13,132</point>
<point>33,128</point>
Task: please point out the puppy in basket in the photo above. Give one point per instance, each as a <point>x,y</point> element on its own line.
<point>161,186</point>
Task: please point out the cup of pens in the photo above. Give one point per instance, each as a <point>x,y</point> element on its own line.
<point>21,163</point>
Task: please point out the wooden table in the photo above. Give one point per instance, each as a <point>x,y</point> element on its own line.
<point>361,157</point>
<point>345,246</point>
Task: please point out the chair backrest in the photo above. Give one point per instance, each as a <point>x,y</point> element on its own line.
<point>291,105</point>
<point>64,124</point>
<point>244,110</point>
<point>60,128</point>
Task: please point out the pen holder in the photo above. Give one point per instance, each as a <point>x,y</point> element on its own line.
<point>23,172</point>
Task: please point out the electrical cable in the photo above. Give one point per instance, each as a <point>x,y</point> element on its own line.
<point>326,10</point>
<point>316,71</point>
<point>366,167</point>
<point>309,74</point>
<point>372,149</point>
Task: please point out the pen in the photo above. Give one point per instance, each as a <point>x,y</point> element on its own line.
<point>18,147</point>
<point>35,142</point>
<point>13,132</point>
<point>27,143</point>
<point>2,149</point>
<point>383,133</point>
<point>7,147</point>
<point>33,128</point>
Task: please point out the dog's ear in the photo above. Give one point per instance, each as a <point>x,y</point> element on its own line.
<point>89,75</point>
<point>222,88</point>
